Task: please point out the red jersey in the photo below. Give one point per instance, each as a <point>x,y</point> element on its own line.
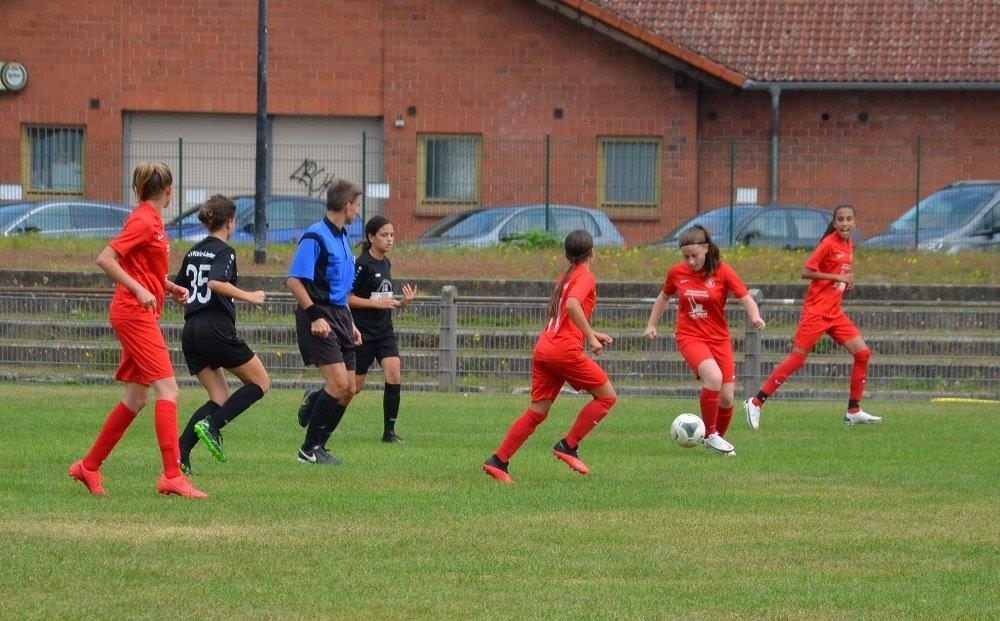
<point>561,334</point>
<point>701,301</point>
<point>143,248</point>
<point>833,255</point>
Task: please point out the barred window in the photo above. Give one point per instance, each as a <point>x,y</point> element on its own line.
<point>54,160</point>
<point>449,168</point>
<point>629,172</point>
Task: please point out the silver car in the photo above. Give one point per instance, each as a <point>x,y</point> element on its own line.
<point>63,218</point>
<point>960,216</point>
<point>496,225</point>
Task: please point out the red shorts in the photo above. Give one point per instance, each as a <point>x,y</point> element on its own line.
<point>145,357</point>
<point>811,327</point>
<point>696,351</point>
<point>549,371</point>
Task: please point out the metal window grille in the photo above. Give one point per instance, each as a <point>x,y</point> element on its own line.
<point>630,172</point>
<point>56,160</point>
<point>451,168</point>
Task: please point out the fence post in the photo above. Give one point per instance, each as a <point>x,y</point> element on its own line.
<point>753,351</point>
<point>448,340</point>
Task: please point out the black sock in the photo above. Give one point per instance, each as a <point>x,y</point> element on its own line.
<point>390,408</point>
<point>188,439</point>
<point>236,404</point>
<point>762,396</point>
<point>852,404</point>
<point>323,420</point>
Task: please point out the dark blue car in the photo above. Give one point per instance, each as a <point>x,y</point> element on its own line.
<point>287,218</point>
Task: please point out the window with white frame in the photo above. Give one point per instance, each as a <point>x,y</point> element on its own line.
<point>449,168</point>
<point>53,160</point>
<point>629,172</point>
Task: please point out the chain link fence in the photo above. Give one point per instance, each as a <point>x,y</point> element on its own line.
<point>645,184</point>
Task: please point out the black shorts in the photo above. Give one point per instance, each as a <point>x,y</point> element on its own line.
<point>371,351</point>
<point>334,349</point>
<point>210,340</point>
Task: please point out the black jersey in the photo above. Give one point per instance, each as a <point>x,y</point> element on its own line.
<point>209,259</point>
<point>372,281</point>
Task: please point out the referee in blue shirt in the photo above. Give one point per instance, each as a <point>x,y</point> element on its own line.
<point>320,277</point>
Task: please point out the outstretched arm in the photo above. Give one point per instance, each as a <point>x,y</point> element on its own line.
<point>659,305</point>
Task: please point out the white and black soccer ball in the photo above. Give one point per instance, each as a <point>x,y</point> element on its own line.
<point>687,430</point>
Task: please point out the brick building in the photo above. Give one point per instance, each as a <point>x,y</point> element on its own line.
<point>651,111</point>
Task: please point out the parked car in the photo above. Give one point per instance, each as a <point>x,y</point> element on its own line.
<point>287,217</point>
<point>779,226</point>
<point>495,225</point>
<point>63,218</point>
<point>960,216</point>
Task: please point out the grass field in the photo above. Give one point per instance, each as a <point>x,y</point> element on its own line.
<point>812,520</point>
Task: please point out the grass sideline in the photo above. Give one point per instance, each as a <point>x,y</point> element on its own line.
<point>813,519</point>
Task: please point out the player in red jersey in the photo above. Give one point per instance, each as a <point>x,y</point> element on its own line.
<point>829,272</point>
<point>137,260</point>
<point>702,284</point>
<point>559,359</point>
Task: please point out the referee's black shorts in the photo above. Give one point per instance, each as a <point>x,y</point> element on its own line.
<point>210,340</point>
<point>338,347</point>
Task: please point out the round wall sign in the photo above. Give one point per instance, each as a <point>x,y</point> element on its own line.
<point>13,76</point>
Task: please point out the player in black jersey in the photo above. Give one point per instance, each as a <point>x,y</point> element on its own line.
<point>209,339</point>
<point>371,301</point>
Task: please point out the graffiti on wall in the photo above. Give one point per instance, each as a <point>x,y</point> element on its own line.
<point>316,179</point>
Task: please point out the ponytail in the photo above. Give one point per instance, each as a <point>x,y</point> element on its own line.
<point>579,246</point>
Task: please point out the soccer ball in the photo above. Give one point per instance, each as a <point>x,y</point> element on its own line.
<point>687,430</point>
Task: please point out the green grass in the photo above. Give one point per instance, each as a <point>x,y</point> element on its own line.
<point>812,520</point>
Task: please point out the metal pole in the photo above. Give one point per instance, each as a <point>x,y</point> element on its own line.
<point>180,183</point>
<point>548,181</point>
<point>364,174</point>
<point>732,191</point>
<point>916,220</point>
<point>448,340</point>
<point>261,189</point>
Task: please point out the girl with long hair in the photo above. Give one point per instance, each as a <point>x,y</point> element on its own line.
<point>559,359</point>
<point>829,271</point>
<point>703,283</point>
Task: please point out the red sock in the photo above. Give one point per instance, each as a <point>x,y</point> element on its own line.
<point>782,372</point>
<point>725,417</point>
<point>165,422</point>
<point>520,430</point>
<point>111,432</point>
<point>709,401</point>
<point>587,419</point>
<point>859,373</point>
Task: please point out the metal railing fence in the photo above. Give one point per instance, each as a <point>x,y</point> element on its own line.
<point>455,344</point>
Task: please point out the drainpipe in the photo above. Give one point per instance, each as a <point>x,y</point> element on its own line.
<point>775,91</point>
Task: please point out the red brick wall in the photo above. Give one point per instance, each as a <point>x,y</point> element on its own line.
<point>829,155</point>
<point>499,69</point>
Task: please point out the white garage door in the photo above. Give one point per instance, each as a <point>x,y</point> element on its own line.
<point>216,153</point>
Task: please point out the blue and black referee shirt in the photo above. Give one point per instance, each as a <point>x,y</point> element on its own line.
<point>324,263</point>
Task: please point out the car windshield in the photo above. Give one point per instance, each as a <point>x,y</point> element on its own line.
<point>9,213</point>
<point>468,224</point>
<point>948,208</point>
<point>716,221</point>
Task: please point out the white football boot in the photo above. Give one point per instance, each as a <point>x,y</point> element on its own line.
<point>718,444</point>
<point>861,418</point>
<point>753,413</point>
